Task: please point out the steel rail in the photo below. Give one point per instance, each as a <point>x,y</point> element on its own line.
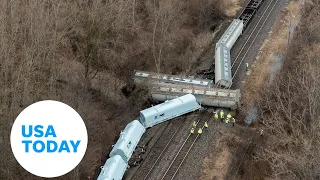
<point>187,153</point>
<point>254,39</point>
<point>256,35</point>
<point>180,149</point>
<point>255,27</point>
<point>163,150</point>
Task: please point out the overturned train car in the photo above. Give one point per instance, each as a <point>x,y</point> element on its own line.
<point>128,140</point>
<point>113,169</point>
<point>205,96</point>
<point>151,78</point>
<point>122,151</point>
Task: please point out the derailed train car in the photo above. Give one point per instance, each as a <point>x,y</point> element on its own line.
<point>231,35</point>
<point>205,96</point>
<point>116,165</point>
<point>222,54</point>
<point>168,110</point>
<point>122,151</point>
<point>149,77</point>
<point>223,76</point>
<point>113,169</point>
<point>128,140</point>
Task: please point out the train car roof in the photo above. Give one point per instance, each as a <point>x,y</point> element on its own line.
<point>139,76</point>
<point>129,138</point>
<point>168,105</point>
<point>113,169</point>
<point>236,23</point>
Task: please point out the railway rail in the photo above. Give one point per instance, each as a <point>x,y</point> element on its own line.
<point>152,157</point>
<point>183,152</point>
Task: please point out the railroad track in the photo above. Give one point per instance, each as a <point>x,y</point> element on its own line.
<point>153,153</point>
<point>184,150</point>
<point>252,37</point>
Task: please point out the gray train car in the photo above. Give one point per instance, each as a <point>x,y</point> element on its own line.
<point>149,77</point>
<point>113,169</point>
<point>128,140</point>
<point>223,76</point>
<point>231,35</point>
<point>168,110</point>
<point>205,96</point>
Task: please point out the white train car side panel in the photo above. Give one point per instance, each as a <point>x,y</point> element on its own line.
<point>215,97</point>
<point>113,169</point>
<point>128,140</point>
<point>223,75</point>
<point>231,35</point>
<point>168,110</point>
<point>149,77</point>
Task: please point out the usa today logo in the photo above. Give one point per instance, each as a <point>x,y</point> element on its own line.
<point>49,139</point>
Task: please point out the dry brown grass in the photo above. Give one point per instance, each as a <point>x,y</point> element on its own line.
<point>289,106</point>
<point>231,7</point>
<point>276,42</point>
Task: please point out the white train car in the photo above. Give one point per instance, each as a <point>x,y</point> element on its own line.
<point>128,140</point>
<point>231,35</point>
<point>113,169</point>
<point>223,76</point>
<point>149,77</point>
<point>215,97</point>
<point>168,110</point>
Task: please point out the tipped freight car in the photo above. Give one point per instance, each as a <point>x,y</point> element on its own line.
<point>128,140</point>
<point>231,35</point>
<point>168,110</point>
<point>223,76</point>
<point>113,169</point>
<point>149,77</point>
<point>205,96</point>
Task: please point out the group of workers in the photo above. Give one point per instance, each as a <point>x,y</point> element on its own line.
<point>216,117</point>
<point>194,125</point>
<point>227,120</point>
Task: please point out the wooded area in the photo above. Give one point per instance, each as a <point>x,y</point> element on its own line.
<point>290,106</point>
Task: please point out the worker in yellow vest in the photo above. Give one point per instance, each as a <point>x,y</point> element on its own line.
<point>192,131</point>
<point>221,115</point>
<point>227,122</point>
<point>216,116</point>
<point>206,124</point>
<point>229,116</point>
<point>194,124</point>
<point>247,67</point>
<point>200,131</point>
